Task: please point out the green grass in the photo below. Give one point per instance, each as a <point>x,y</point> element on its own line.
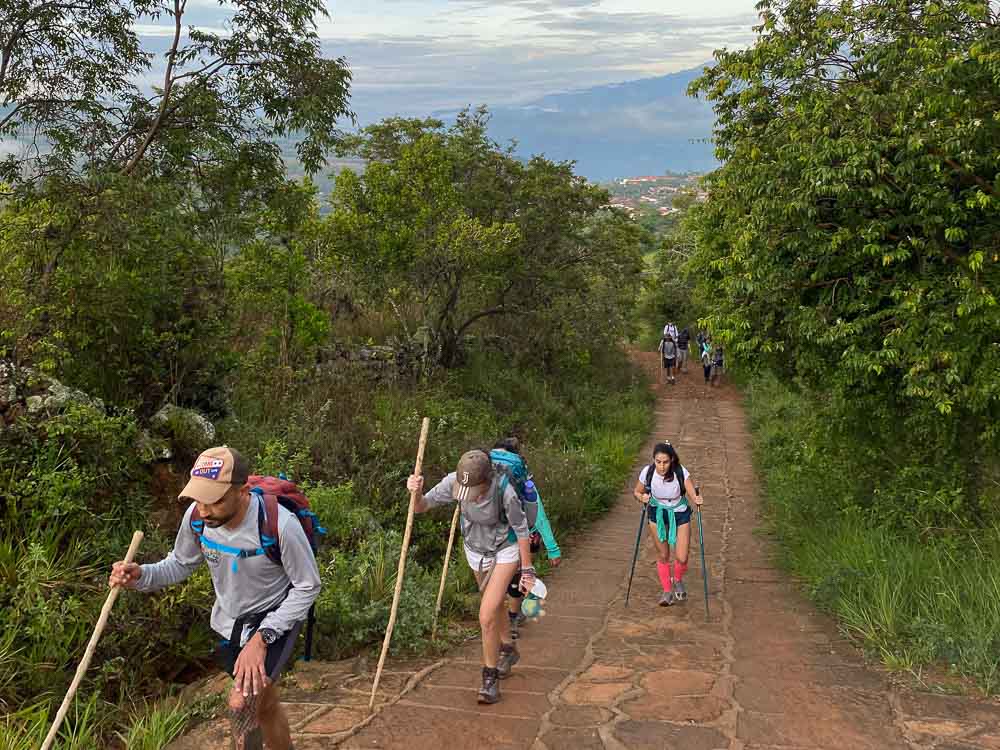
<point>914,598</point>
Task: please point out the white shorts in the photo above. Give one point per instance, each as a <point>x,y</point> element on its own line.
<point>506,555</point>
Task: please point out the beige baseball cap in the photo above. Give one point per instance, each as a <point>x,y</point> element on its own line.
<point>213,473</point>
<point>472,476</point>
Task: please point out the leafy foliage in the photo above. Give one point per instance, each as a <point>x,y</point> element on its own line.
<point>849,240</point>
<point>450,230</point>
<point>70,78</point>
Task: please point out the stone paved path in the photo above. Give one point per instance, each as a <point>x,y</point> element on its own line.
<point>764,672</point>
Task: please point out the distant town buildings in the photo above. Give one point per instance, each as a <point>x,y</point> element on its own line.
<point>654,195</point>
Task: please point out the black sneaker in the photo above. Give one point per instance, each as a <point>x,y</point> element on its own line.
<point>490,691</point>
<point>509,656</point>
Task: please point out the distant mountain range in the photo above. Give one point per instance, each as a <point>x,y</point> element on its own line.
<point>647,126</point>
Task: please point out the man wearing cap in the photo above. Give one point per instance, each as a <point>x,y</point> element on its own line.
<point>487,516</point>
<point>259,604</point>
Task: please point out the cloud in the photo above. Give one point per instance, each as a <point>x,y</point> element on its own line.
<point>413,58</point>
<point>418,74</point>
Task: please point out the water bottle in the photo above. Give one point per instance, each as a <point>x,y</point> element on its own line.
<point>530,493</point>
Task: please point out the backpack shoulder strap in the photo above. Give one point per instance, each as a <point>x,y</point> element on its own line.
<point>680,480</point>
<point>648,481</point>
<point>267,525</point>
<point>196,522</point>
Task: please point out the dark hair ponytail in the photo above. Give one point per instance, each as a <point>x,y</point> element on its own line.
<point>667,449</point>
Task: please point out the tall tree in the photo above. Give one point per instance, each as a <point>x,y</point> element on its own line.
<point>70,87</point>
<point>447,222</point>
<point>853,231</point>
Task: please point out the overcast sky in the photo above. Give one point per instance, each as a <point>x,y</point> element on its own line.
<point>413,57</point>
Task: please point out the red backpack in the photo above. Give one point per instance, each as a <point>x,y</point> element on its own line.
<point>273,491</point>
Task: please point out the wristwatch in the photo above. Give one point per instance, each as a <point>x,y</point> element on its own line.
<point>268,635</point>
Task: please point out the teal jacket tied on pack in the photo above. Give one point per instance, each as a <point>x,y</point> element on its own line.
<point>543,527</point>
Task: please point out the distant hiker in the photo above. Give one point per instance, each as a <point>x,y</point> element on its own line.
<point>541,532</point>
<point>706,359</point>
<point>668,348</point>
<point>701,340</point>
<point>259,604</point>
<point>664,487</point>
<point>718,365</point>
<point>683,340</point>
<point>670,330</point>
<point>490,509</point>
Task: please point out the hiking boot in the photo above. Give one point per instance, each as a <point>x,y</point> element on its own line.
<point>509,656</point>
<point>680,593</point>
<point>666,598</point>
<point>490,691</point>
<point>515,620</point>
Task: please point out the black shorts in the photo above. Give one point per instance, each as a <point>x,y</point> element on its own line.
<point>682,518</point>
<point>669,361</point>
<point>279,653</point>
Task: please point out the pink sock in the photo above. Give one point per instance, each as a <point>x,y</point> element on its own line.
<point>664,571</point>
<point>679,570</point>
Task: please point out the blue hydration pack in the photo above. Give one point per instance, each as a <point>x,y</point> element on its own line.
<point>514,471</point>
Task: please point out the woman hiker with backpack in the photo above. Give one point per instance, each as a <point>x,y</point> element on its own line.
<point>664,488</point>
<point>541,530</point>
<point>490,508</point>
<point>264,586</point>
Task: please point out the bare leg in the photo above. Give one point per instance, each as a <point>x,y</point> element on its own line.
<point>493,620</point>
<point>662,548</point>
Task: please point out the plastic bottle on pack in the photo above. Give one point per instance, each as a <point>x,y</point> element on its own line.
<point>530,493</point>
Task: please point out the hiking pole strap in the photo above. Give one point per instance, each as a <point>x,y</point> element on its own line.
<point>635,555</point>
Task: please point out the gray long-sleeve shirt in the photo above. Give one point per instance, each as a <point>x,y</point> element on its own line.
<point>483,529</point>
<point>257,584</point>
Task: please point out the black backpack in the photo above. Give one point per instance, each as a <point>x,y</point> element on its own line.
<point>648,481</point>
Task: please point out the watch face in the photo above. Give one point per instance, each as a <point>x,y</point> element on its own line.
<point>268,636</point>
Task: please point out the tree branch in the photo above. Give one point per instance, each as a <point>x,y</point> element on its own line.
<point>168,82</point>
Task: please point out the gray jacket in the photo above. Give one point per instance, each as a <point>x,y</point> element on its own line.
<point>486,521</point>
<point>257,584</point>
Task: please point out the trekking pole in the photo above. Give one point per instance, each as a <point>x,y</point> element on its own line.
<point>102,622</point>
<point>444,570</point>
<point>701,543</point>
<point>402,562</point>
<point>635,555</point>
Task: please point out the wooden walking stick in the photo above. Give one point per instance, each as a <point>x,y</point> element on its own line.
<point>444,571</point>
<point>402,562</point>
<point>102,622</point>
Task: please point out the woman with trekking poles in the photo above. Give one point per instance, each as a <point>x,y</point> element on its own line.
<point>664,488</point>
<point>490,508</point>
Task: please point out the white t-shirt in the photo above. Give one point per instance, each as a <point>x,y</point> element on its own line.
<point>670,330</point>
<point>666,494</point>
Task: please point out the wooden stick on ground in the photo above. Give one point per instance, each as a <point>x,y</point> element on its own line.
<point>102,622</point>
<point>444,571</point>
<point>417,469</point>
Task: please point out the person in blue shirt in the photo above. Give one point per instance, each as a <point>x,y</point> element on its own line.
<point>541,533</point>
